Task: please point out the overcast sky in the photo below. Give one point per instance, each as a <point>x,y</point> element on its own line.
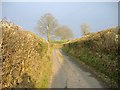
<point>99,15</point>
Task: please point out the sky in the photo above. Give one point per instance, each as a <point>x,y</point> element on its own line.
<point>99,15</point>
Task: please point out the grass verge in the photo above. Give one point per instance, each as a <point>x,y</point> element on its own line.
<point>98,51</point>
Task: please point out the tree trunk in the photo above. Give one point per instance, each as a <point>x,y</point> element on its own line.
<point>48,34</point>
<point>48,37</point>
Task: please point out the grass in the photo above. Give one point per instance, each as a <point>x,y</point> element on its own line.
<point>59,41</point>
<point>44,83</point>
<point>98,51</point>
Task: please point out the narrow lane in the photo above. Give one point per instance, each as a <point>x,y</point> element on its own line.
<point>68,74</point>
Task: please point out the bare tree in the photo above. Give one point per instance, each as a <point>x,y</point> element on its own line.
<point>47,25</point>
<point>85,28</point>
<point>64,33</point>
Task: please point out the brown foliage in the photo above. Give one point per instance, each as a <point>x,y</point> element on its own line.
<point>25,60</point>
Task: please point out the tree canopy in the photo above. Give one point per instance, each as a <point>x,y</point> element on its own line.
<point>85,28</point>
<point>47,25</point>
<point>64,33</point>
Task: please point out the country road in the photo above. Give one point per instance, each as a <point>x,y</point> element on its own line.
<point>68,74</point>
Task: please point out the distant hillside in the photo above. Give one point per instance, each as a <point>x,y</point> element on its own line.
<point>26,60</point>
<point>99,51</point>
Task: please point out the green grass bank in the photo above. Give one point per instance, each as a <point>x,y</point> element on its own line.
<point>100,52</point>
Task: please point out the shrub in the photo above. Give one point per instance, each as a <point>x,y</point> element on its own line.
<point>26,63</point>
<point>98,50</point>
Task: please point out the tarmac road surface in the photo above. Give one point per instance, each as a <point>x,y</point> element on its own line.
<point>66,73</point>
